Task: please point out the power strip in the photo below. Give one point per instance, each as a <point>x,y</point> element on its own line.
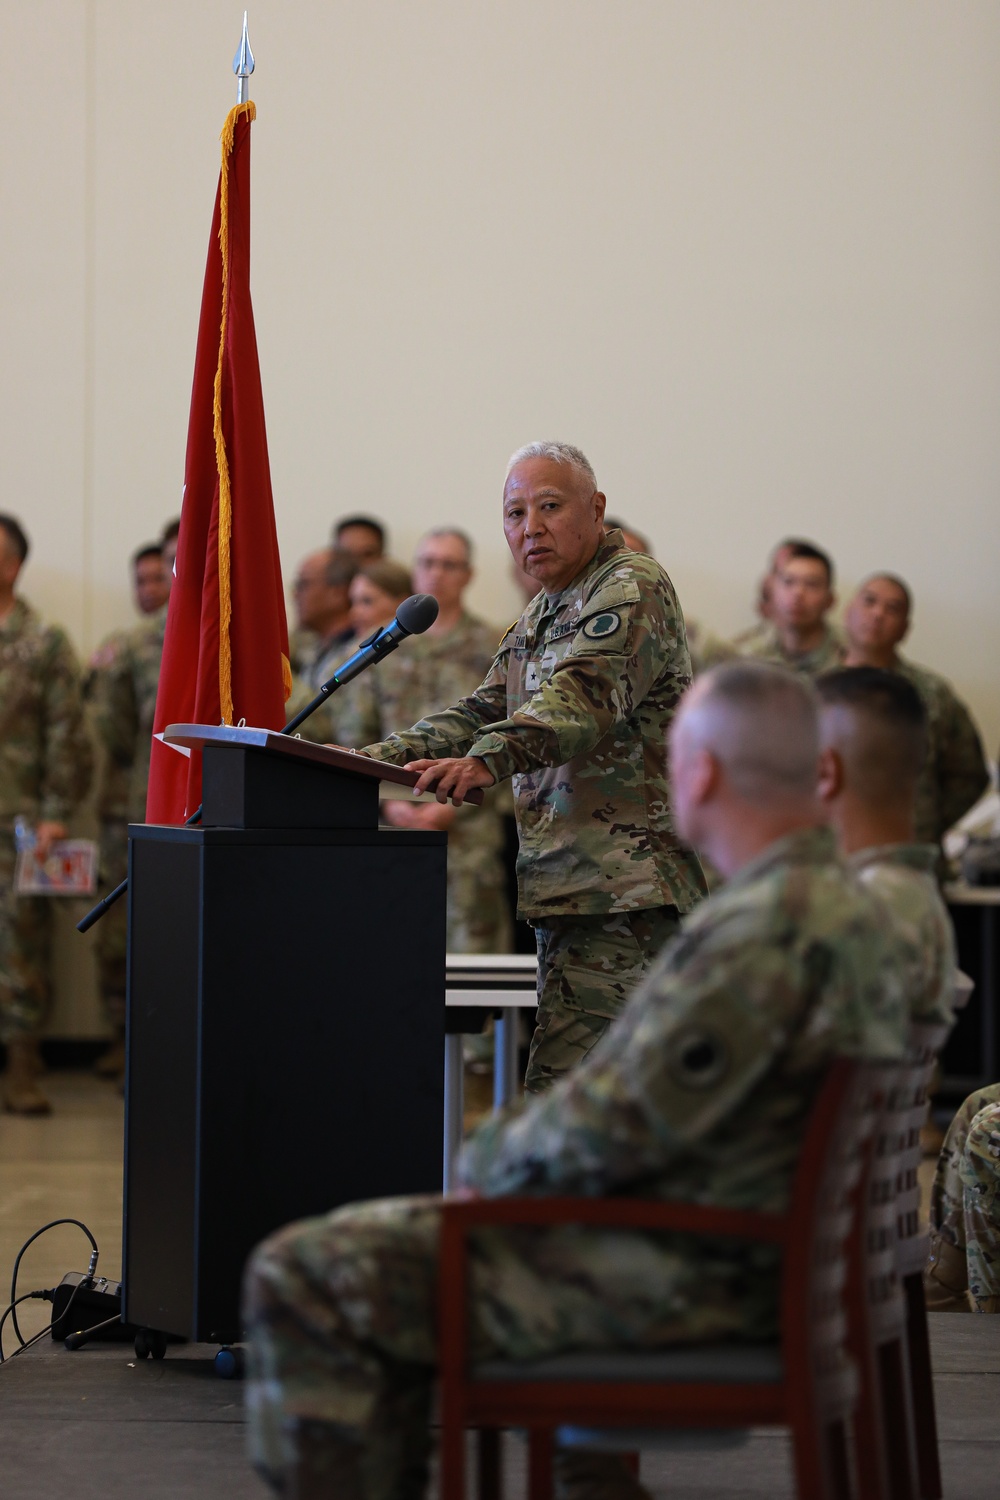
<point>91,1305</point>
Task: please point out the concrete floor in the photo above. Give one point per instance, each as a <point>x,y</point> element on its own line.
<point>97,1424</point>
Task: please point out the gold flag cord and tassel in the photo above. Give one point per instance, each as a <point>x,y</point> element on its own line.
<point>221,460</point>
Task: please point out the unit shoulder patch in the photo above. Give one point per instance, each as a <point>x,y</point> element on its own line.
<point>698,1057</point>
<point>606,623</point>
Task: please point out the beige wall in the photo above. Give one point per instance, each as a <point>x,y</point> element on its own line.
<point>747,255</point>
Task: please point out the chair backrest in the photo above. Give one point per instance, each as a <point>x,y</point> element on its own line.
<point>827,1229</point>
<point>906,1112</point>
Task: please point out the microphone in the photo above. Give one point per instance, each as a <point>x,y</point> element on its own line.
<point>413,617</point>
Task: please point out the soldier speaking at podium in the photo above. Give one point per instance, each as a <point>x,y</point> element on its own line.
<point>575,708</point>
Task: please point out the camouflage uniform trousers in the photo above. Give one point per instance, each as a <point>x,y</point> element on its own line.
<point>25,925</point>
<point>112,929</point>
<point>479,918</point>
<point>341,1317</point>
<point>587,968</point>
<point>965,1200</point>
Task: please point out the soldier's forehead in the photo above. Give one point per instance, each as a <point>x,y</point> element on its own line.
<point>542,476</point>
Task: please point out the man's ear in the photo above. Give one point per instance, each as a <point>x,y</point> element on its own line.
<point>830,777</point>
<point>600,503</point>
<point>706,773</point>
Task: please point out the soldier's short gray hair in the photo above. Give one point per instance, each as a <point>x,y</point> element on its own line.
<point>559,453</point>
<point>761,722</point>
<point>455,531</point>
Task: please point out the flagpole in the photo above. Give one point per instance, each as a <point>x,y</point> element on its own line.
<point>243,65</point>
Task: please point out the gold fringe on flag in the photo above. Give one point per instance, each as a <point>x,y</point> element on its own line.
<point>221,461</point>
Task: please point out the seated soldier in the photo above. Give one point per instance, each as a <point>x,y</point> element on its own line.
<point>873,738</point>
<point>699,1091</point>
<point>954,775</point>
<point>963,1265</point>
<point>800,636</point>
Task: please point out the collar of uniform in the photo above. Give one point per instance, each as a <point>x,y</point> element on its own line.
<point>807,846</point>
<point>923,857</point>
<point>830,638</point>
<point>613,542</point>
<point>338,638</point>
<point>17,619</point>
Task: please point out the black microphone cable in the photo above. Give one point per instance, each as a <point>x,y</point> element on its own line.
<point>46,1295</point>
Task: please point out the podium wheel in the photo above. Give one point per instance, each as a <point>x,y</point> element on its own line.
<point>230,1364</point>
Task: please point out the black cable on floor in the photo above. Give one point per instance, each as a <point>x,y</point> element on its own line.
<point>44,1296</point>
<point>14,1299</point>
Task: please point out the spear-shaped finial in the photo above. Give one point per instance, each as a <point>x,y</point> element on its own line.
<point>243,65</point>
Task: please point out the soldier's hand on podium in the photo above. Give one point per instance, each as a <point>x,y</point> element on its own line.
<point>431,815</point>
<point>451,778</point>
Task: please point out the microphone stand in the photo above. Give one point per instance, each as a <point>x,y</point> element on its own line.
<point>378,645</point>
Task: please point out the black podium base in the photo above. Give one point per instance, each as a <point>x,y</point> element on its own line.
<point>286,991</point>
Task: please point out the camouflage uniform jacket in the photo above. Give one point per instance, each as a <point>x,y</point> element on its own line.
<point>46,757</point>
<point>124,698</point>
<point>707,649</point>
<point>576,708</point>
<point>112,779</point>
<point>701,1089</point>
<point>825,657</point>
<point>317,666</point>
<point>302,647</point>
<point>902,876</point>
<point>955,774</point>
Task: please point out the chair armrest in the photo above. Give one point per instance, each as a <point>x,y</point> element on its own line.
<point>459,1216</point>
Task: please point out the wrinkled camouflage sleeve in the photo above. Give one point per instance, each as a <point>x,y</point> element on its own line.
<point>593,687</point>
<point>961,763</point>
<point>67,752</point>
<point>452,731</point>
<point>637,1103</point>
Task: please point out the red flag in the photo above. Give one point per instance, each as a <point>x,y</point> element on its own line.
<point>225,655</point>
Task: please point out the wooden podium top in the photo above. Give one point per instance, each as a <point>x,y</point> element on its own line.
<point>197,736</point>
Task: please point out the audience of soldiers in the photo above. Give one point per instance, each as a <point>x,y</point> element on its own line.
<point>814,769</point>
<point>45,769</point>
<point>900,762</point>
<point>341,594</point>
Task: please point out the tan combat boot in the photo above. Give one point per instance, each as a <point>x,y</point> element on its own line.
<point>946,1278</point>
<point>21,1094</point>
